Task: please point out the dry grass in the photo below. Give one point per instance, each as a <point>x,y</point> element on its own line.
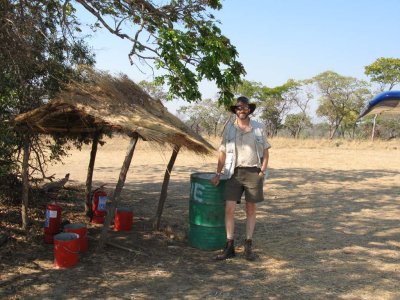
<point>282,142</point>
<point>118,142</point>
<point>335,143</point>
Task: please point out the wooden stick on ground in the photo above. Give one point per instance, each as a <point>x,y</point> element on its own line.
<point>124,248</point>
<point>110,243</point>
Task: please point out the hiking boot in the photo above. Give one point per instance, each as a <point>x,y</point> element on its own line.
<point>248,252</point>
<point>228,252</point>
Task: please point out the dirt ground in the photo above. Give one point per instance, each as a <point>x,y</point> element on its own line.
<point>329,229</point>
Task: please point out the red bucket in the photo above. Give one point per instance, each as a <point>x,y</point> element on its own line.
<point>81,230</point>
<point>66,250</point>
<point>49,238</point>
<point>98,219</point>
<point>123,219</point>
<point>52,222</point>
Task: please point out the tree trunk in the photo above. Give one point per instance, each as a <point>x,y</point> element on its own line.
<point>298,129</point>
<point>88,192</point>
<point>353,131</point>
<point>118,189</point>
<point>373,128</point>
<point>164,189</point>
<point>25,183</point>
<point>334,130</point>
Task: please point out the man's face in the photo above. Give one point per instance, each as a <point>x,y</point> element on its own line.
<point>242,110</point>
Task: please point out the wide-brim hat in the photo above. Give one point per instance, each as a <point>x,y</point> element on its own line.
<point>243,100</point>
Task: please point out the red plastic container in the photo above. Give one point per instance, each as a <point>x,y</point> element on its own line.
<point>52,222</point>
<point>123,219</point>
<point>66,250</point>
<point>81,230</point>
<point>99,206</point>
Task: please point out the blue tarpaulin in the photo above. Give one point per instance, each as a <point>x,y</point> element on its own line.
<point>386,102</point>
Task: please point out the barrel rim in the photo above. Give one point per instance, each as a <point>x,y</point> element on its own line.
<point>197,175</point>
<point>123,209</point>
<point>66,236</point>
<point>74,226</point>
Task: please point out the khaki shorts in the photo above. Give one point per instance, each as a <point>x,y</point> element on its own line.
<point>247,180</point>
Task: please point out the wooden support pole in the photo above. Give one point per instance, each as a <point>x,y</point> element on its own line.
<point>373,128</point>
<point>164,189</point>
<point>25,183</point>
<point>118,189</point>
<point>88,192</point>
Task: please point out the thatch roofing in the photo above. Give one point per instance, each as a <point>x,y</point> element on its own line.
<point>105,103</point>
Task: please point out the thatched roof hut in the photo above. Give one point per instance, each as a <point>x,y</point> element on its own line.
<point>100,104</point>
<point>103,103</point>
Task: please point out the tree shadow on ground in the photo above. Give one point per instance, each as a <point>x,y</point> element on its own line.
<point>319,235</point>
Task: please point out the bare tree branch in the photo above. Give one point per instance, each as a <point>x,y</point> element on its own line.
<point>102,21</point>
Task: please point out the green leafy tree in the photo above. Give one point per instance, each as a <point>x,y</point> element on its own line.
<point>153,89</point>
<point>250,89</point>
<point>300,95</point>
<point>387,128</point>
<point>295,123</point>
<point>349,124</point>
<point>38,56</point>
<point>206,116</point>
<point>320,130</point>
<point>274,103</point>
<point>340,97</point>
<point>385,72</point>
<point>390,127</point>
<point>181,38</point>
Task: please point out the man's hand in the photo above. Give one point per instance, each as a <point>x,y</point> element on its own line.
<point>215,179</point>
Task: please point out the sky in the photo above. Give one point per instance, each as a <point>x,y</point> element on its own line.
<point>279,40</point>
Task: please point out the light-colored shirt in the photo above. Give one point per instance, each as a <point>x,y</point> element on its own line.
<point>245,146</point>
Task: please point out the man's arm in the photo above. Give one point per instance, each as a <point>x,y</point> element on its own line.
<point>264,164</point>
<point>221,161</point>
<point>220,165</point>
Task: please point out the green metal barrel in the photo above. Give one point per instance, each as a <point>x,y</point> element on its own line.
<point>206,212</point>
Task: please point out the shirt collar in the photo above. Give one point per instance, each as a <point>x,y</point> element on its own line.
<point>237,125</point>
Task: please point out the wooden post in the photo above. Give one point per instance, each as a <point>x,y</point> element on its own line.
<point>164,189</point>
<point>88,192</point>
<point>373,128</point>
<point>118,189</point>
<point>25,183</point>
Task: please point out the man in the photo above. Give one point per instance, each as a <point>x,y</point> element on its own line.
<point>244,156</point>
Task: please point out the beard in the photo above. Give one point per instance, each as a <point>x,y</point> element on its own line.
<point>242,116</point>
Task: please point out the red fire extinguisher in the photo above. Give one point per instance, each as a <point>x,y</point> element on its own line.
<point>52,222</point>
<point>99,202</point>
